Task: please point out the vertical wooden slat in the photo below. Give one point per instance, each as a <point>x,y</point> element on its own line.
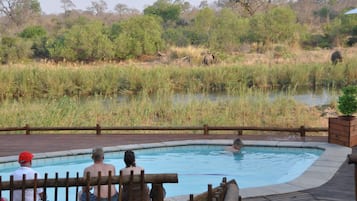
<point>209,192</point>
<point>131,185</point>
<point>120,197</point>
<point>67,186</point>
<point>56,189</point>
<point>109,184</point>
<point>87,185</point>
<point>11,188</point>
<point>99,178</point>
<point>45,186</point>
<point>0,186</point>
<point>77,185</point>
<point>35,188</point>
<point>23,189</point>
<point>142,185</point>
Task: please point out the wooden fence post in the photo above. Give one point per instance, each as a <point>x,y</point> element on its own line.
<point>302,131</point>
<point>205,129</point>
<point>98,129</point>
<point>27,128</point>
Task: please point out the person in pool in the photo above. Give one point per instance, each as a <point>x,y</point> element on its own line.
<point>236,146</point>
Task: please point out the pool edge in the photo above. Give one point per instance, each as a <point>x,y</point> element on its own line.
<point>321,171</point>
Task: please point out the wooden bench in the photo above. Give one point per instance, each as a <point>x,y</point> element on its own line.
<point>157,181</point>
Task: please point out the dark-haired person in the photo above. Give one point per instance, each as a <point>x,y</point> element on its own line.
<point>130,166</point>
<point>236,146</point>
<point>25,161</point>
<point>99,166</point>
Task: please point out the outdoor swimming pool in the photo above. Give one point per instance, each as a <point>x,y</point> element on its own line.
<point>197,165</point>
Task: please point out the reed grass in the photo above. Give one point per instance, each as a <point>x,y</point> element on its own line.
<point>33,81</point>
<point>84,96</point>
<point>251,109</point>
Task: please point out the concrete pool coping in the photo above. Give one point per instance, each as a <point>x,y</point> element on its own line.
<point>321,171</point>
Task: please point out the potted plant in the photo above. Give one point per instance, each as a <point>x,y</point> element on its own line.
<point>343,129</point>
<point>347,102</point>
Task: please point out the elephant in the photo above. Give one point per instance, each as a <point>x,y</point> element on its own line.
<point>208,59</point>
<point>336,57</point>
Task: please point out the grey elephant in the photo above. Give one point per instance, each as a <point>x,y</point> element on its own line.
<point>336,57</point>
<point>208,59</point>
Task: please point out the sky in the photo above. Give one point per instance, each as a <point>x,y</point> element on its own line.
<point>55,6</point>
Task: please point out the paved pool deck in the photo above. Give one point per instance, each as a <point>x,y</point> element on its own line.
<point>329,179</point>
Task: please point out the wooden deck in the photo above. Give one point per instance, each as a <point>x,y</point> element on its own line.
<point>340,188</point>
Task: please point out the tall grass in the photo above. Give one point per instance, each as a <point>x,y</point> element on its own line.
<point>68,96</point>
<point>33,82</point>
<point>251,109</point>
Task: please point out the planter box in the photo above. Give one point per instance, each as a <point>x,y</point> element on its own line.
<point>342,131</point>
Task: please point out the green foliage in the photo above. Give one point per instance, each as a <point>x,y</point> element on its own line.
<point>14,49</point>
<point>86,42</point>
<point>277,25</point>
<point>38,36</point>
<point>227,31</point>
<point>33,32</point>
<point>341,27</point>
<point>347,102</point>
<point>202,25</point>
<point>136,39</point>
<point>165,9</point>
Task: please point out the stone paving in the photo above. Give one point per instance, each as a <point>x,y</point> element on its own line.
<point>340,188</point>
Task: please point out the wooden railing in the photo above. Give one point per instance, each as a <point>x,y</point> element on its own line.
<point>157,181</point>
<point>205,129</point>
<point>223,192</point>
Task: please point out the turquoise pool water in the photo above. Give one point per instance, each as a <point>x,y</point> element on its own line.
<point>196,165</point>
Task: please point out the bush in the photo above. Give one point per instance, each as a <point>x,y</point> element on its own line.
<point>347,102</point>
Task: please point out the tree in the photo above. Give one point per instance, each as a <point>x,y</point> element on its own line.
<point>124,11</point>
<point>19,12</point>
<point>136,39</point>
<point>248,6</point>
<point>277,25</point>
<point>165,9</point>
<point>86,42</point>
<point>98,7</point>
<point>38,36</point>
<point>67,5</point>
<point>14,49</point>
<point>228,30</point>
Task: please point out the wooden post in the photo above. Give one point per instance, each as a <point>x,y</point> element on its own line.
<point>27,128</point>
<point>205,129</point>
<point>98,130</point>
<point>209,193</point>
<point>158,192</point>
<point>302,131</point>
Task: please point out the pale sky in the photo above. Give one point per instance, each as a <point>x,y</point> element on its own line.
<point>54,6</point>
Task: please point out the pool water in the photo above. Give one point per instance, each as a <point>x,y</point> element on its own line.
<point>197,165</point>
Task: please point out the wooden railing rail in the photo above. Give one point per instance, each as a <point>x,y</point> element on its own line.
<point>302,130</point>
<point>157,181</point>
<point>216,194</point>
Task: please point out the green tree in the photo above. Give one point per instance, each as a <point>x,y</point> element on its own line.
<point>342,27</point>
<point>228,30</point>
<point>277,25</point>
<point>86,42</point>
<point>165,9</point>
<point>14,49</point>
<point>201,27</point>
<point>139,35</point>
<point>38,36</point>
